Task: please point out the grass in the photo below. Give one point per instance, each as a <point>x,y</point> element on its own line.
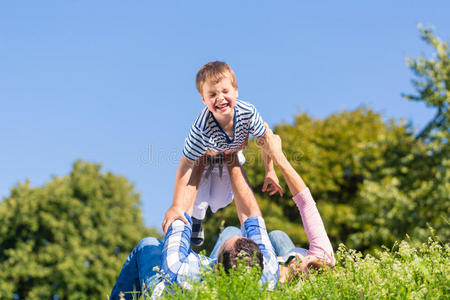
<point>403,272</point>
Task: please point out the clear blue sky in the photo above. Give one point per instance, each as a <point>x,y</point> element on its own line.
<point>113,81</point>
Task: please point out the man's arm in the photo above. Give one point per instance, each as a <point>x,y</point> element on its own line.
<point>246,204</point>
<point>253,224</point>
<point>178,261</point>
<point>186,184</point>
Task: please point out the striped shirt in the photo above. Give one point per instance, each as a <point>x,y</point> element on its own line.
<point>180,264</point>
<point>206,133</point>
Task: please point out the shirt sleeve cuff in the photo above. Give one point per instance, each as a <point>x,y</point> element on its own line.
<point>179,222</point>
<point>251,222</point>
<point>303,197</point>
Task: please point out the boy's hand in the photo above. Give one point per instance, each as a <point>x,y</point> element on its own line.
<point>172,214</point>
<point>271,184</point>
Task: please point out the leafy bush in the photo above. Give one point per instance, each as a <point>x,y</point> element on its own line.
<point>403,272</point>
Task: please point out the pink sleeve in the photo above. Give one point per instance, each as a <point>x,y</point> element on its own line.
<point>319,243</point>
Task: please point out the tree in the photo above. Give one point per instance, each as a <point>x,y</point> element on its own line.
<point>69,237</point>
<point>420,197</point>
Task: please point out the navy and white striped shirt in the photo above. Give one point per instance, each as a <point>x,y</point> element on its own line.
<point>181,265</point>
<point>206,133</point>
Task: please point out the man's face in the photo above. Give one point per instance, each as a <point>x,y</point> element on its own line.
<point>220,97</point>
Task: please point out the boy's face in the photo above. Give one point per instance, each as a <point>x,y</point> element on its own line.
<point>220,97</point>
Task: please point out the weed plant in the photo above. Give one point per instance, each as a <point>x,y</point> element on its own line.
<point>403,272</point>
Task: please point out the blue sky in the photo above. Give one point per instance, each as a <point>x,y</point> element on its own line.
<point>113,81</point>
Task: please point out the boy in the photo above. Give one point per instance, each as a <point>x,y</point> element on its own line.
<point>222,126</point>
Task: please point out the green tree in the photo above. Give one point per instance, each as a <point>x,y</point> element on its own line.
<point>69,237</point>
<point>419,197</point>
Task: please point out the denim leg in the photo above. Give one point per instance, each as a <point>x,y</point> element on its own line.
<point>227,233</point>
<point>138,268</point>
<point>281,242</point>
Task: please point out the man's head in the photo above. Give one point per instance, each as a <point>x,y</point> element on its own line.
<point>239,249</point>
<point>217,86</point>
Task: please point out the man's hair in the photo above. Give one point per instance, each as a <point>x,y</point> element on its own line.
<point>244,251</point>
<point>214,71</point>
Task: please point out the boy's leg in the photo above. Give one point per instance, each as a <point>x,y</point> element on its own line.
<point>197,191</point>
<point>199,211</point>
<point>227,233</point>
<point>198,234</point>
<point>138,269</point>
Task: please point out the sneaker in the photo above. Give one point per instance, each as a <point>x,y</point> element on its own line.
<point>198,234</point>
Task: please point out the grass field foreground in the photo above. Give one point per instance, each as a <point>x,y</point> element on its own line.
<point>403,272</point>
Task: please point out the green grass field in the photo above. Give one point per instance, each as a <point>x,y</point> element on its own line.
<point>404,272</point>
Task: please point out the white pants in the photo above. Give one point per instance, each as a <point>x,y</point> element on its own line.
<point>214,191</point>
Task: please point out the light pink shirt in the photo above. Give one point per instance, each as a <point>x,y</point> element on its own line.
<point>319,243</point>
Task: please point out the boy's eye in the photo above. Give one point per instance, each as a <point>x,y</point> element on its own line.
<point>225,91</point>
<point>212,95</point>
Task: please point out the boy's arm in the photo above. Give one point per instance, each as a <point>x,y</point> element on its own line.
<point>271,145</point>
<point>320,246</point>
<point>259,130</point>
<point>271,182</point>
<point>186,184</point>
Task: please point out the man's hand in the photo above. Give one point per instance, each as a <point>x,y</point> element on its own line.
<point>172,214</point>
<point>271,184</point>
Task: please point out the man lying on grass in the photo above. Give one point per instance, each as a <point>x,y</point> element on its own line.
<point>181,264</point>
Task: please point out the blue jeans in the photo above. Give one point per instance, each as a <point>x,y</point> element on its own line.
<point>281,242</point>
<point>138,269</point>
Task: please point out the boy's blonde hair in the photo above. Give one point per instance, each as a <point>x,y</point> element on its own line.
<point>214,71</point>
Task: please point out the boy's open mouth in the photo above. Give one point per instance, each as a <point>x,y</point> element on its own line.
<point>222,106</point>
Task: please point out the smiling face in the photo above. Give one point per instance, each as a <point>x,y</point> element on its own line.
<point>220,97</point>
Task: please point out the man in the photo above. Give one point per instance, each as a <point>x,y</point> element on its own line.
<point>181,265</point>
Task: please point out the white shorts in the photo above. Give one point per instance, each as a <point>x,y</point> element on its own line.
<point>215,191</point>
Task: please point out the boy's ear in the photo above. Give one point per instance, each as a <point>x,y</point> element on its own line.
<point>203,100</point>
